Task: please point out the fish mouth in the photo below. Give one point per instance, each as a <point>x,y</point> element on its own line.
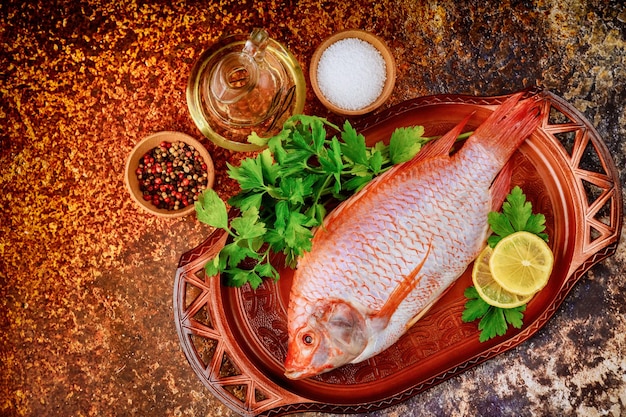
<point>296,374</point>
<point>300,373</point>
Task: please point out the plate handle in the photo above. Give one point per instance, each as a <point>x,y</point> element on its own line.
<point>598,197</point>
<point>203,330</point>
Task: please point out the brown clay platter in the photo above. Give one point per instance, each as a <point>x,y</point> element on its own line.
<point>235,339</point>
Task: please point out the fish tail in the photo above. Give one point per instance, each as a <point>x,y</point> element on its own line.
<point>509,126</point>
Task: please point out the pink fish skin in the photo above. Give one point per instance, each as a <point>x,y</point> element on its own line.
<point>385,255</point>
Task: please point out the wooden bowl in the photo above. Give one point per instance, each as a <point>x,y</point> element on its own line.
<point>390,68</point>
<point>144,146</point>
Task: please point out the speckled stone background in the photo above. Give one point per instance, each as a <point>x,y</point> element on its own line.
<point>86,277</point>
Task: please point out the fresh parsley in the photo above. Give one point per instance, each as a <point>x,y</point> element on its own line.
<point>287,189</point>
<point>516,216</point>
<point>494,321</point>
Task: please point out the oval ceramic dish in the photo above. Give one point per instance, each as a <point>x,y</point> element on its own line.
<point>235,339</point>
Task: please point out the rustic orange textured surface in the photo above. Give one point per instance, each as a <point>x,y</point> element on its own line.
<point>86,324</point>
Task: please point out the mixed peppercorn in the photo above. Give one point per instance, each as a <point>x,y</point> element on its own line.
<point>172,175</point>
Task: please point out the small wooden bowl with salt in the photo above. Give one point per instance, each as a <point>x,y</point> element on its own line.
<point>352,72</point>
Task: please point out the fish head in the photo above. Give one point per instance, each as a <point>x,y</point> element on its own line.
<point>332,336</point>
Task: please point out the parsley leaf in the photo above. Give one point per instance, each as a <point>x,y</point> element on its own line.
<point>514,316</point>
<point>405,142</point>
<point>353,146</point>
<point>249,174</point>
<point>475,308</point>
<point>376,162</point>
<point>494,321</point>
<point>516,216</point>
<point>517,209</point>
<point>492,324</point>
<point>210,209</point>
<point>247,225</point>
<point>298,233</point>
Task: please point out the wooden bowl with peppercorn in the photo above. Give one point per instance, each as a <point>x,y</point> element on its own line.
<point>166,171</point>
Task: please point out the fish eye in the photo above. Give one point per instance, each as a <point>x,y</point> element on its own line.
<point>307,339</point>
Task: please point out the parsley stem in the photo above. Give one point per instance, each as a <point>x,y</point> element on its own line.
<point>461,137</point>
<point>323,190</point>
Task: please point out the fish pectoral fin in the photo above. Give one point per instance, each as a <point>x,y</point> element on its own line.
<point>399,294</point>
<point>421,314</point>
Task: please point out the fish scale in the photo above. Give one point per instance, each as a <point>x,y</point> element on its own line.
<point>386,254</point>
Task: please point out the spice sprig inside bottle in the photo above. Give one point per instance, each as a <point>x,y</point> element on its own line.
<point>172,175</point>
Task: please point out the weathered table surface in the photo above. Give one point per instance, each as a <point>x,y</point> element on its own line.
<point>86,277</point>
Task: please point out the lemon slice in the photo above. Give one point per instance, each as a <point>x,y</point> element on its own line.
<point>488,289</point>
<point>521,263</point>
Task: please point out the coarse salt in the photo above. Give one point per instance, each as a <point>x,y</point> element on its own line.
<point>351,73</point>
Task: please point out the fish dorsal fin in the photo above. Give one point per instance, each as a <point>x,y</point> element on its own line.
<point>501,186</point>
<point>399,294</point>
<point>441,146</point>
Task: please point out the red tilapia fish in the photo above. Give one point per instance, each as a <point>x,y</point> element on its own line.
<point>386,254</point>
